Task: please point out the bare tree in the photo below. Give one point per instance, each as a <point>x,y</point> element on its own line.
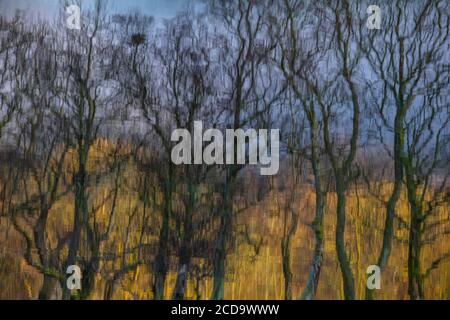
<point>300,54</point>
<point>42,141</point>
<point>250,91</point>
<point>339,97</point>
<point>91,92</point>
<point>146,91</point>
<point>400,57</point>
<point>186,61</point>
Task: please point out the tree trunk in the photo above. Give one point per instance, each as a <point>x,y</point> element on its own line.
<point>80,216</point>
<point>287,273</point>
<point>184,261</point>
<point>186,247</point>
<point>221,241</point>
<point>415,283</point>
<point>161,261</point>
<point>395,195</point>
<point>219,258</point>
<point>109,289</point>
<point>50,289</point>
<point>90,271</point>
<point>347,275</point>
<point>415,276</point>
<point>180,283</point>
<point>316,263</point>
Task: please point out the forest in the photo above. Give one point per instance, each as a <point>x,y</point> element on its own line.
<point>87,180</point>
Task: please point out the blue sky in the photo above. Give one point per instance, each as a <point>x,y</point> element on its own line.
<point>46,8</point>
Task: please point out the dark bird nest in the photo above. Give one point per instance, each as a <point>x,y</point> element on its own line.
<point>138,39</point>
